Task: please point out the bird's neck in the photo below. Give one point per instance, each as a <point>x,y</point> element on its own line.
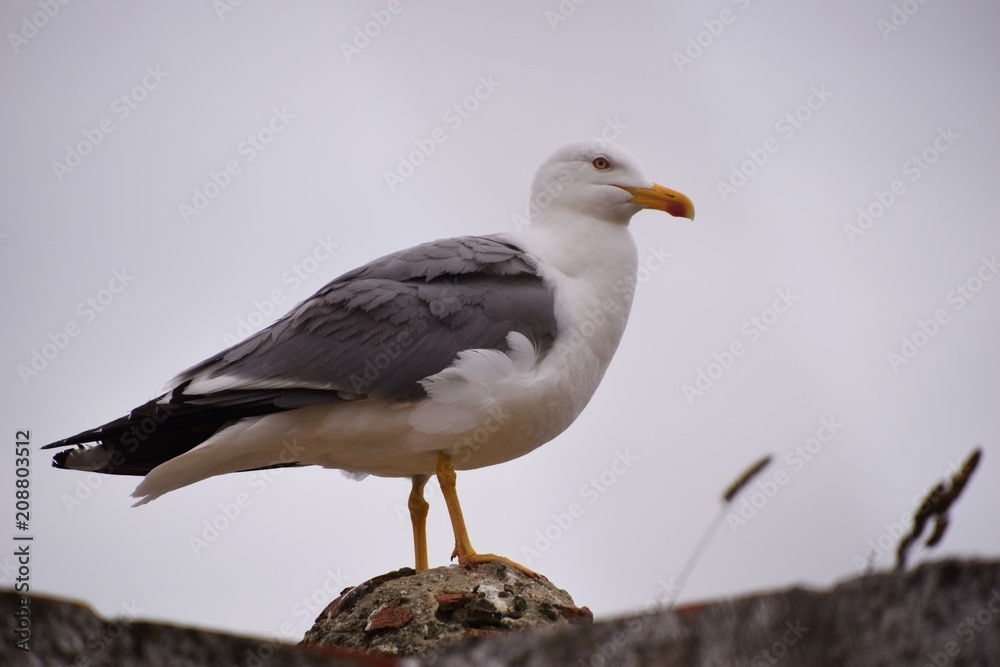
<point>591,265</point>
<point>582,247</point>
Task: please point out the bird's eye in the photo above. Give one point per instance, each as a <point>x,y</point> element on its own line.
<point>601,162</point>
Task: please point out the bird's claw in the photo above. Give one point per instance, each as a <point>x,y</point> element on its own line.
<point>473,559</point>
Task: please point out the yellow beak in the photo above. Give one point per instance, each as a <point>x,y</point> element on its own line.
<point>662,199</point>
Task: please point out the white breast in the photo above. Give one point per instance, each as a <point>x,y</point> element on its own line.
<point>498,406</point>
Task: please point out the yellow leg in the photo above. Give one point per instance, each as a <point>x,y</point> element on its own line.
<point>418,517</point>
<point>463,547</point>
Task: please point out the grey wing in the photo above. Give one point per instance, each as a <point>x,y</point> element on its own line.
<point>377,331</point>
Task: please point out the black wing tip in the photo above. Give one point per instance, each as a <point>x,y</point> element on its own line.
<point>59,458</point>
<point>78,439</point>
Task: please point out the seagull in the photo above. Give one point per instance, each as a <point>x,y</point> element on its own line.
<point>451,355</point>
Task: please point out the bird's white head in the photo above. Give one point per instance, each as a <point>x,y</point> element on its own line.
<point>602,180</point>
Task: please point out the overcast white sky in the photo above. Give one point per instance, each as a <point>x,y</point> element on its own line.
<point>695,90</point>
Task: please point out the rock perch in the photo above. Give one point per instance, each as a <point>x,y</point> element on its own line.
<point>408,612</point>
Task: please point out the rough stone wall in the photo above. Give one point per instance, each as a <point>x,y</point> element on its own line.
<point>943,614</point>
<point>66,633</point>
